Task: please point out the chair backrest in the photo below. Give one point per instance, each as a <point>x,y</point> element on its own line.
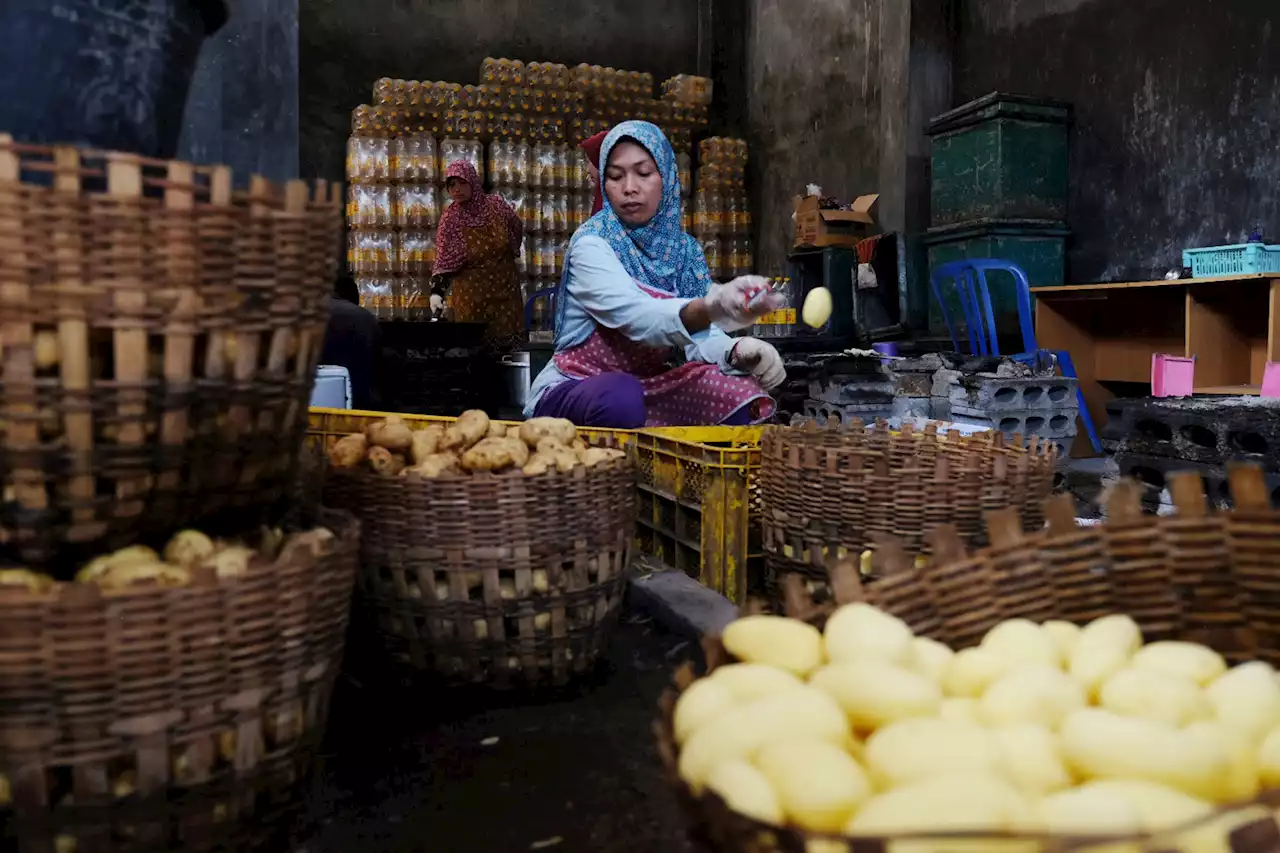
<point>548,293</point>
<point>970,281</point>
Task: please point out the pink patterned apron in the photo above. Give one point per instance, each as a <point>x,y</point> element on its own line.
<point>693,393</point>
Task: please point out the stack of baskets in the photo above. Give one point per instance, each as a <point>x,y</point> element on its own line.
<point>1200,576</point>
<point>159,334</point>
<point>491,579</point>
<point>827,493</point>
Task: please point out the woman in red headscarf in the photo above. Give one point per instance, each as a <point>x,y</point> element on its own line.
<point>476,246</point>
<point>592,145</point>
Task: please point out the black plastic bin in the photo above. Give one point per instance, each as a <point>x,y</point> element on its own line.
<point>105,73</point>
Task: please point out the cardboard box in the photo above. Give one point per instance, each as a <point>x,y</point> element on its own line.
<point>845,228</point>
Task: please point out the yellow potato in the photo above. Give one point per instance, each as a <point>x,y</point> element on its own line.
<point>703,702</point>
<point>465,432</point>
<point>435,465</point>
<point>540,581</point>
<point>1098,744</point>
<point>1158,806</point>
<point>744,728</point>
<point>384,462</point>
<point>1030,758</point>
<point>775,640</point>
<point>748,681</point>
<point>930,658</point>
<point>1246,699</point>
<point>962,709</point>
<point>818,784</point>
<point>539,463</point>
<point>560,430</point>
<point>1065,635</point>
<point>518,449</point>
<point>874,692</point>
<point>497,429</point>
<point>391,432</point>
<point>593,456</point>
<point>188,548</point>
<point>426,442</point>
<point>1269,759</point>
<point>1191,660</point>
<point>1241,781</point>
<point>950,803</point>
<point>1087,811</point>
<point>101,565</point>
<point>489,454</point>
<point>130,574</point>
<point>1031,694</point>
<point>1104,648</point>
<point>746,790</point>
<point>231,561</point>
<point>857,630</point>
<point>817,307</point>
<point>1021,641</point>
<point>1157,694</point>
<point>25,579</point>
<point>349,451</point>
<point>913,749</point>
<point>971,671</point>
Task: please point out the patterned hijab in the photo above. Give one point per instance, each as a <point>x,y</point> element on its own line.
<point>657,254</point>
<point>480,210</point>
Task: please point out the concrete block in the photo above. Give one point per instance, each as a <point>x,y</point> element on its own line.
<point>911,407</point>
<point>822,411</point>
<point>997,394</point>
<point>927,363</point>
<point>940,408</point>
<point>942,382</point>
<point>841,392</point>
<point>1207,430</point>
<point>913,385</point>
<point>1154,471</point>
<point>681,604</point>
<point>1051,423</point>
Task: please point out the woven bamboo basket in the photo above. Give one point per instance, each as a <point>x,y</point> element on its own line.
<point>158,342</point>
<point>829,493</point>
<point>171,717</point>
<point>1203,576</point>
<point>501,580</point>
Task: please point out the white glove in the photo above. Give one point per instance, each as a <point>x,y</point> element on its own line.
<point>760,359</point>
<point>730,307</point>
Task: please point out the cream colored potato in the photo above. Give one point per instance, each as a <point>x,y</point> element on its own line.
<point>971,671</point>
<point>818,784</point>
<point>1030,758</point>
<point>1031,694</point>
<point>745,728</point>
<point>1246,699</point>
<point>1098,744</point>
<point>1156,694</point>
<point>931,658</point>
<point>951,803</point>
<point>874,692</point>
<point>1087,811</point>
<point>426,442</point>
<point>1065,635</point>
<point>391,432</point>
<point>703,702</point>
<point>1241,781</point>
<point>914,749</point>
<point>1191,660</point>
<point>231,561</point>
<point>1214,835</point>
<point>188,548</point>
<point>746,790</point>
<point>817,307</point>
<point>748,681</point>
<point>857,630</point>
<point>535,430</point>
<point>775,640</point>
<point>1021,641</point>
<point>1158,806</point>
<point>1104,648</point>
<point>1268,756</point>
<point>963,709</point>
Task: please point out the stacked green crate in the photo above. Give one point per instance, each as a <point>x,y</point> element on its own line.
<point>999,190</point>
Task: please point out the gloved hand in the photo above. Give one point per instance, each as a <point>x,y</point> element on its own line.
<point>730,305</point>
<point>761,360</point>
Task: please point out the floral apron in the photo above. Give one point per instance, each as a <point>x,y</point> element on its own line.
<point>691,394</point>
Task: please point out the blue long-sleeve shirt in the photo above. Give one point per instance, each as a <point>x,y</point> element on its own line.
<point>598,290</point>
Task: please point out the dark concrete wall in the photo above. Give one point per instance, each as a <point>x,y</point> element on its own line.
<point>347,45</point>
<point>242,109</point>
<point>1177,136</point>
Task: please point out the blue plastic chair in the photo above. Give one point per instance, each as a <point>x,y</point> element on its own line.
<point>970,281</point>
<point>547,292</point>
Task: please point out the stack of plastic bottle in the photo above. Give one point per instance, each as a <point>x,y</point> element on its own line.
<point>721,215</point>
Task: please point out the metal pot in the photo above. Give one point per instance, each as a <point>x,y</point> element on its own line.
<point>516,378</point>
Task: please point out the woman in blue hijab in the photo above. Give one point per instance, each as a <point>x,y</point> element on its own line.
<point>640,326</point>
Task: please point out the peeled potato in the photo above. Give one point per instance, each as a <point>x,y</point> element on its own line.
<point>704,701</point>
<point>1216,834</point>
<point>187,548</point>
<point>914,749</point>
<point>950,803</point>
<point>99,566</point>
<point>1246,699</point>
<point>1065,635</point>
<point>775,640</point>
<point>818,784</point>
<point>817,307</point>
<point>1241,780</point>
<point>25,579</point>
<point>129,574</point>
<point>1031,694</point>
<point>1268,757</point>
<point>1029,757</point>
<point>1191,660</point>
<point>959,708</point>
<point>746,790</point>
<point>930,658</point>
<point>856,630</point>
<point>1156,694</point>
<point>231,561</point>
<point>747,681</point>
<point>874,692</point>
<point>1022,641</point>
<point>971,671</point>
<point>1087,811</point>
<point>1158,806</point>
<point>1104,648</point>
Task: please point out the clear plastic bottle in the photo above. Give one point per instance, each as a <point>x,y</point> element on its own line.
<point>685,165</point>
<point>535,215</point>
<point>714,211</point>
<point>711,249</point>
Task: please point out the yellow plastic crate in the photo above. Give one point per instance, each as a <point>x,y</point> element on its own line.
<point>326,426</point>
<point>698,506</point>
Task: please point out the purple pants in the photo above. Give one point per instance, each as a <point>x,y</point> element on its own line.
<point>608,401</point>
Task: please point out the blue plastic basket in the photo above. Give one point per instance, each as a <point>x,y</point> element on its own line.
<point>1241,259</point>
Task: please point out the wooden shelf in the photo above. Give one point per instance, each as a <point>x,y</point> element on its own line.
<point>1230,390</point>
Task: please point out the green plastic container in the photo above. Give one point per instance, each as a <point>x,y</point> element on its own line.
<point>1000,157</point>
<point>1035,245</point>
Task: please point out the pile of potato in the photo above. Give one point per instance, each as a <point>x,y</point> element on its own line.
<point>471,444</point>
<point>184,553</point>
<point>864,729</point>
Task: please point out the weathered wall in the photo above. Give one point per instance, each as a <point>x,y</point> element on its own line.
<point>346,46</point>
<point>1177,137</point>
